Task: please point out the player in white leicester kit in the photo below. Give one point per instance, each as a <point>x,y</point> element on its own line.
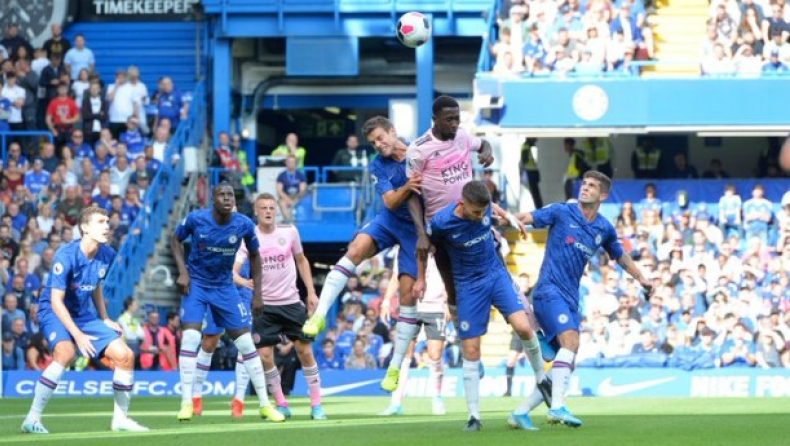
<point>432,315</point>
<point>283,313</point>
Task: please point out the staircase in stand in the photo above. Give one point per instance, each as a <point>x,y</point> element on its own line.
<point>679,28</point>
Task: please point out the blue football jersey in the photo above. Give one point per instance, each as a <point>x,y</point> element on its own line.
<point>78,276</point>
<point>214,246</point>
<point>388,174</point>
<point>471,244</point>
<point>572,242</point>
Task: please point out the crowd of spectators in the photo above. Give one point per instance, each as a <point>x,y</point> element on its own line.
<point>747,38</point>
<point>576,37</point>
<point>105,151</point>
<point>721,286</point>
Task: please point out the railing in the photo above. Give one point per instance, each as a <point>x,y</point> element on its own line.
<point>4,136</point>
<point>147,227</point>
<point>484,61</point>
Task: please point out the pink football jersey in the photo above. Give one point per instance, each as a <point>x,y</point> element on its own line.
<point>445,166</point>
<point>278,251</point>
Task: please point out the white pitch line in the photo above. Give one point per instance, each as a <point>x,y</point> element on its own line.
<point>207,429</point>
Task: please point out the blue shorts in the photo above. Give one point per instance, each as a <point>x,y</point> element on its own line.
<point>388,231</point>
<point>211,329</point>
<point>474,301</point>
<point>555,316</point>
<point>223,305</point>
<point>54,330</point>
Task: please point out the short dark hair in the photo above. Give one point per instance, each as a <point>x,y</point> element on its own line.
<point>90,211</point>
<point>606,182</point>
<point>376,122</point>
<point>443,102</point>
<point>127,303</point>
<point>476,192</point>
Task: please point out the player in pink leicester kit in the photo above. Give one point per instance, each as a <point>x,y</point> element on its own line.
<point>283,312</point>
<point>442,157</point>
<point>432,315</point>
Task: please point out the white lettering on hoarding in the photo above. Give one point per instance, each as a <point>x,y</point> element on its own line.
<point>142,7</point>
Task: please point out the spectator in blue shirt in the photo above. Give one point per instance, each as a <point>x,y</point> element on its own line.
<point>291,187</point>
<point>327,358</point>
<point>11,311</point>
<point>738,350</point>
<point>757,214</point>
<point>151,164</point>
<point>730,212</point>
<point>647,343</point>
<point>169,103</point>
<point>18,219</point>
<point>133,138</point>
<point>103,199</point>
<point>37,179</point>
<point>101,160</point>
<point>13,357</point>
<point>534,49</point>
<point>79,58</point>
<point>48,157</point>
<point>774,65</point>
<point>79,147</point>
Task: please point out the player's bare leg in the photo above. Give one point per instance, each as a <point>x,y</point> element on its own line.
<point>273,382</point>
<point>395,407</point>
<point>361,248</point>
<point>561,378</point>
<point>471,371</point>
<point>62,355</point>
<point>406,330</point>
<point>187,365</point>
<point>207,346</point>
<point>252,362</point>
<point>304,351</point>
<point>122,383</point>
<point>436,375</point>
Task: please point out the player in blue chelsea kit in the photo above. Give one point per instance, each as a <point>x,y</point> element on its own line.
<point>206,280</point>
<point>391,226</point>
<point>576,232</point>
<point>72,314</point>
<point>208,345</point>
<point>481,280</point>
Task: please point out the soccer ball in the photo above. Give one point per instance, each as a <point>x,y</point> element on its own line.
<point>414,29</point>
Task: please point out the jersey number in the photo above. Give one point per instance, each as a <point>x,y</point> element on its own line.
<point>242,310</point>
<point>441,324</point>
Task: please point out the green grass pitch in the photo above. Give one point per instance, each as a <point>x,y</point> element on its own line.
<point>353,422</point>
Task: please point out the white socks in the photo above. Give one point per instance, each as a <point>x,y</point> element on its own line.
<point>435,377</point>
<point>242,379</point>
<point>532,401</point>
<point>334,284</point>
<point>45,386</point>
<point>532,349</point>
<point>561,377</point>
<point>405,331</point>
<point>403,379</point>
<point>122,384</point>
<point>187,362</point>
<point>471,372</point>
<point>202,367</point>
<point>253,364</point>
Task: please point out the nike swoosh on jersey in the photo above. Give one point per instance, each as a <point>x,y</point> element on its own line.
<point>326,391</point>
<point>606,388</point>
<point>574,226</point>
<point>456,235</point>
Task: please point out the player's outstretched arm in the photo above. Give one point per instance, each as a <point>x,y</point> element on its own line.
<point>508,218</point>
<point>82,340</point>
<point>418,289</point>
<point>303,266</point>
<point>628,264</point>
<point>525,218</point>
